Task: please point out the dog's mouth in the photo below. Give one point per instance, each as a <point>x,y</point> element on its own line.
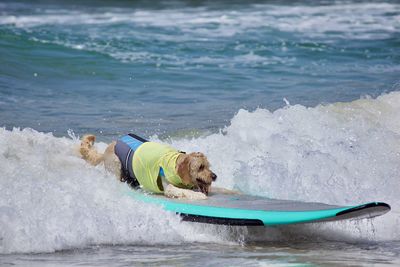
<point>203,186</point>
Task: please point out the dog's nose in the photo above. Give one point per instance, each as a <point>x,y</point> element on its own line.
<point>213,176</point>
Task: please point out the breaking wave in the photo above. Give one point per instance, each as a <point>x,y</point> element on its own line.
<point>342,153</point>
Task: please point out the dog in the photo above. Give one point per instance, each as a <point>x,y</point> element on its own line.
<point>185,175</point>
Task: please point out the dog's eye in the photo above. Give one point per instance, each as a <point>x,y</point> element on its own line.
<point>201,167</point>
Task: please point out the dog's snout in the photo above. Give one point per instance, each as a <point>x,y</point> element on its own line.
<point>213,176</point>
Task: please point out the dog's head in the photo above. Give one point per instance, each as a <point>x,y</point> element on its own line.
<point>196,168</point>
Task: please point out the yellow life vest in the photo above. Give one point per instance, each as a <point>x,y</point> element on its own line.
<point>146,163</point>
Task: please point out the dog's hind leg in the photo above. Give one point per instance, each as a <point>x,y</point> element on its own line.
<point>88,152</point>
<point>112,162</point>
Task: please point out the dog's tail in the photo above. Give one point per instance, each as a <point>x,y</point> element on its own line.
<point>88,152</point>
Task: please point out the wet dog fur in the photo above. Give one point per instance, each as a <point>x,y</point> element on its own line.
<point>193,168</point>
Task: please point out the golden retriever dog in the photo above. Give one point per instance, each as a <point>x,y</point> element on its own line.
<point>189,176</point>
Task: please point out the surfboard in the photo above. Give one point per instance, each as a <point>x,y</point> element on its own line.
<point>242,209</point>
<point>247,210</point>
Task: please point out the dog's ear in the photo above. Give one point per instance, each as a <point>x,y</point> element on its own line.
<point>197,154</point>
<point>184,170</point>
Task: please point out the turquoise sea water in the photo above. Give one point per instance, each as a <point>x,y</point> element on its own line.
<point>294,100</point>
<point>113,67</point>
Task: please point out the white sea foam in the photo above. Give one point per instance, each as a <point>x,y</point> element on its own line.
<point>343,153</point>
<point>51,200</point>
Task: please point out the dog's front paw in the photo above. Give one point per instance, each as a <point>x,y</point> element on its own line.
<point>174,192</point>
<point>195,195</point>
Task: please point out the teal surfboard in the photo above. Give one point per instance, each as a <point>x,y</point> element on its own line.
<point>250,210</point>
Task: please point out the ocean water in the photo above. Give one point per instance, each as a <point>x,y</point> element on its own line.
<point>292,100</point>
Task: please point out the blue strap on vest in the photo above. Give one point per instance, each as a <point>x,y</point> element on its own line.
<point>133,142</point>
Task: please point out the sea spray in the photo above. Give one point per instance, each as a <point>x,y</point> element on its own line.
<point>342,153</point>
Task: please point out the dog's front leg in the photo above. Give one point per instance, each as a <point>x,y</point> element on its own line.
<point>175,192</point>
<point>220,190</point>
